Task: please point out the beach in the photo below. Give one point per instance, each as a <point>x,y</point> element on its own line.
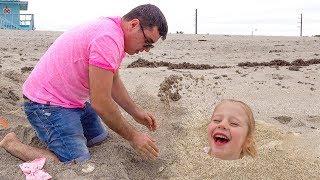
<point>180,81</point>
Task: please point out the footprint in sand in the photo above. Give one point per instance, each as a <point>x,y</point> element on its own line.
<point>13,76</point>
<point>283,119</point>
<point>314,119</point>
<point>9,94</point>
<point>26,69</point>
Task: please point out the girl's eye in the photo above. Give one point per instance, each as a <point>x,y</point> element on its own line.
<point>234,124</point>
<point>216,120</point>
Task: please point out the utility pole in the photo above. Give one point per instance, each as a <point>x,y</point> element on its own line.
<point>300,24</point>
<point>253,30</point>
<point>196,22</point>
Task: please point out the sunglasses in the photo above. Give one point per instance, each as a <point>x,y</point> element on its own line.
<point>148,44</point>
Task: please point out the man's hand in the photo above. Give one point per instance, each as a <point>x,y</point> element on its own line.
<point>147,119</point>
<point>145,145</point>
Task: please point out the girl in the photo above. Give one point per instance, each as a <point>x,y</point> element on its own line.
<point>231,131</point>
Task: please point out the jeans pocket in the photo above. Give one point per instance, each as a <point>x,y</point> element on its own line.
<point>40,117</point>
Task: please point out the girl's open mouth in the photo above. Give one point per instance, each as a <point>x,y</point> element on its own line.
<point>220,138</point>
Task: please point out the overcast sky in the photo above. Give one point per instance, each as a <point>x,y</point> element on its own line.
<point>260,17</point>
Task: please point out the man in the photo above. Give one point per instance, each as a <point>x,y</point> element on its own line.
<point>77,81</point>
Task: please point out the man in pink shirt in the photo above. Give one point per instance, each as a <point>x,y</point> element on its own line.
<point>76,84</point>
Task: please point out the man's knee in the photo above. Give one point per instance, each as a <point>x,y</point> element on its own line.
<point>68,152</point>
<point>97,140</point>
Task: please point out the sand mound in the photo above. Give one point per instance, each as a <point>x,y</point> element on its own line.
<point>185,65</point>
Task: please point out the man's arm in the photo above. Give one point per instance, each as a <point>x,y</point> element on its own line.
<point>121,96</point>
<point>101,82</point>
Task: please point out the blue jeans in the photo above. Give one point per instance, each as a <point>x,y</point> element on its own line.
<point>67,132</point>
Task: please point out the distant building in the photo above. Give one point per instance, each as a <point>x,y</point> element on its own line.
<point>11,18</point>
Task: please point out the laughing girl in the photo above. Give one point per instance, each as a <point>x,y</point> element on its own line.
<point>231,131</point>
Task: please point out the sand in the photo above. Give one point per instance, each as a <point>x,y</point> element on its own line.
<point>180,80</point>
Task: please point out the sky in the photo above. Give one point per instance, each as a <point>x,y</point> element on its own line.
<point>234,17</point>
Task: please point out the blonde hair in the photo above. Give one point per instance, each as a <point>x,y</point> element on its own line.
<point>249,147</point>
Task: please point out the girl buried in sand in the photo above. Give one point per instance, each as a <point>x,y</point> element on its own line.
<point>231,131</point>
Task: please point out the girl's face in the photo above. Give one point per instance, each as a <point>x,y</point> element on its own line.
<point>227,131</point>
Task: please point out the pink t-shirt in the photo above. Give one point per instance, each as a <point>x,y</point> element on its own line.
<point>62,74</point>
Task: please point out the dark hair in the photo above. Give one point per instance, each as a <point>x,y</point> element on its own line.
<point>149,16</point>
